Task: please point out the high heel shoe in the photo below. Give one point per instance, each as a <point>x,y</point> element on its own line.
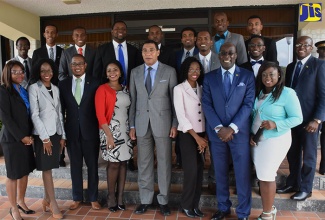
<point>56,216</point>
<point>10,212</point>
<point>45,204</point>
<point>28,212</point>
<point>270,215</point>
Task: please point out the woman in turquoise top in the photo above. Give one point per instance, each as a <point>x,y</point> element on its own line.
<point>276,111</point>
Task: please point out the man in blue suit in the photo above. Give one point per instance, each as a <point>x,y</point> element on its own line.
<point>228,97</point>
<point>306,76</point>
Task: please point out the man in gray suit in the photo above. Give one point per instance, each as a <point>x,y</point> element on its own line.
<point>221,24</point>
<point>79,36</point>
<point>153,122</point>
<point>208,58</point>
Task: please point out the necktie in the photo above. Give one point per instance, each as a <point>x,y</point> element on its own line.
<point>254,62</point>
<point>26,69</point>
<point>206,65</point>
<point>187,54</point>
<point>80,51</point>
<point>296,76</point>
<point>121,60</point>
<point>222,36</point>
<point>77,94</point>
<point>51,54</point>
<point>226,82</point>
<point>148,81</point>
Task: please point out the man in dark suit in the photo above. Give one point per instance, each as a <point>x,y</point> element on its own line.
<point>221,23</point>
<point>306,76</point>
<point>49,50</point>
<point>79,36</point>
<point>255,50</point>
<point>166,55</point>
<point>227,101</point>
<point>254,27</point>
<point>130,55</point>
<point>77,95</point>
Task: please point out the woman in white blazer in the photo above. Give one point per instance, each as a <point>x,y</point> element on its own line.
<point>191,127</point>
<point>48,130</point>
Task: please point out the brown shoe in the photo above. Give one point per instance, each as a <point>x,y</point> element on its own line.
<point>74,205</point>
<point>95,205</point>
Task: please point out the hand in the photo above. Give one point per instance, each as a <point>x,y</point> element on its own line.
<point>47,147</point>
<point>312,126</point>
<point>132,134</point>
<point>226,134</point>
<point>110,143</point>
<point>173,132</point>
<point>202,144</point>
<point>62,145</point>
<point>251,142</point>
<point>268,125</point>
<point>27,140</point>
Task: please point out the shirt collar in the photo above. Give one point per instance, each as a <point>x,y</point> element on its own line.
<point>81,77</point>
<point>303,61</point>
<point>225,33</point>
<point>251,59</point>
<point>154,66</point>
<point>115,44</point>
<point>208,57</point>
<point>191,51</point>
<point>48,47</point>
<point>231,70</point>
<point>83,47</point>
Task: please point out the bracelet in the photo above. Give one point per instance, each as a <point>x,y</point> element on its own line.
<point>46,142</point>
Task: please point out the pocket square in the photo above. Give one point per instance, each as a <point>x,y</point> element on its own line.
<point>164,80</point>
<point>241,84</point>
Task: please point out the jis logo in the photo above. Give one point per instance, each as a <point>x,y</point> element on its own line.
<point>310,12</point>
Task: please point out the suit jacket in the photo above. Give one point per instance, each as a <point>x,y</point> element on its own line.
<point>214,60</point>
<point>16,123</point>
<point>310,88</point>
<point>29,64</point>
<point>157,107</point>
<point>270,52</point>
<point>106,53</point>
<point>167,56</point>
<point>179,55</point>
<point>80,119</point>
<point>67,54</point>
<point>188,107</point>
<point>236,108</point>
<point>45,111</point>
<point>247,65</point>
<point>238,41</point>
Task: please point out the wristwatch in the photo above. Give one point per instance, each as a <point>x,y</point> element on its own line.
<point>318,121</point>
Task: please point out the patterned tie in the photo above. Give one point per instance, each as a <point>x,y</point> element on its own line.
<point>148,81</point>
<point>226,82</point>
<point>26,69</point>
<point>51,54</point>
<point>121,60</point>
<point>206,65</point>
<point>80,51</point>
<point>296,76</point>
<point>77,94</point>
<point>253,62</point>
<point>187,54</point>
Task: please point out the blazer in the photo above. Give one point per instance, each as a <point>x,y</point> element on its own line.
<point>214,60</point>
<point>188,107</point>
<point>79,119</point>
<point>285,112</point>
<point>270,52</point>
<point>106,53</point>
<point>67,54</point>
<point>167,56</point>
<point>179,55</point>
<point>236,108</point>
<point>157,107</point>
<point>29,64</point>
<point>45,111</point>
<point>310,88</point>
<point>16,123</point>
<point>238,41</point>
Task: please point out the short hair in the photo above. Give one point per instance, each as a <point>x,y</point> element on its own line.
<point>151,42</point>
<point>79,27</point>
<point>256,36</point>
<point>118,21</point>
<point>204,31</point>
<point>118,64</point>
<point>185,66</point>
<point>254,16</point>
<point>56,28</point>
<point>36,73</point>
<point>188,29</point>
<point>22,38</point>
<point>6,78</point>
<point>278,87</point>
<point>79,55</point>
<point>155,26</point>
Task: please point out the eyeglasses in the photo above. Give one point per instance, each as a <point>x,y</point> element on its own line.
<point>149,51</point>
<point>77,64</point>
<point>223,53</point>
<point>46,71</point>
<point>271,75</point>
<point>303,45</point>
<point>194,71</point>
<point>255,45</point>
<point>17,72</point>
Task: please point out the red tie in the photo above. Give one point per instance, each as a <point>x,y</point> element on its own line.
<point>80,50</point>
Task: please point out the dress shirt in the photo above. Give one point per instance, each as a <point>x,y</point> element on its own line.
<point>159,46</point>
<point>48,50</point>
<point>82,84</point>
<point>153,72</point>
<point>184,53</point>
<point>303,61</point>
<point>207,58</point>
<point>83,49</point>
<point>219,43</point>
<point>257,66</point>
<point>125,53</point>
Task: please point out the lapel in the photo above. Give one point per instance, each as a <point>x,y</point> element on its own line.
<point>306,67</point>
<point>234,80</point>
<point>140,78</point>
<point>214,61</point>
<point>189,90</point>
<point>218,84</point>
<point>46,94</point>
<point>86,88</point>
<point>159,75</point>
<point>228,38</point>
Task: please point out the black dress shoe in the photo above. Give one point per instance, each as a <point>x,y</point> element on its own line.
<point>219,215</point>
<point>121,207</point>
<point>188,212</point>
<point>164,209</point>
<point>142,208</point>
<point>198,212</point>
<point>286,189</point>
<point>28,212</point>
<point>300,196</point>
<point>113,208</point>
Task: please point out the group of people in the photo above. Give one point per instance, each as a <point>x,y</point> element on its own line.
<point>215,93</point>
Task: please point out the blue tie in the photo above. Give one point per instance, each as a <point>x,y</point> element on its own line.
<point>122,62</point>
<point>226,82</point>
<point>296,76</point>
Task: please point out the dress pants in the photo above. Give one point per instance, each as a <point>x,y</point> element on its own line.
<point>302,157</point>
<point>77,151</point>
<point>322,150</point>
<point>193,171</point>
<point>240,153</point>
<point>146,146</point>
